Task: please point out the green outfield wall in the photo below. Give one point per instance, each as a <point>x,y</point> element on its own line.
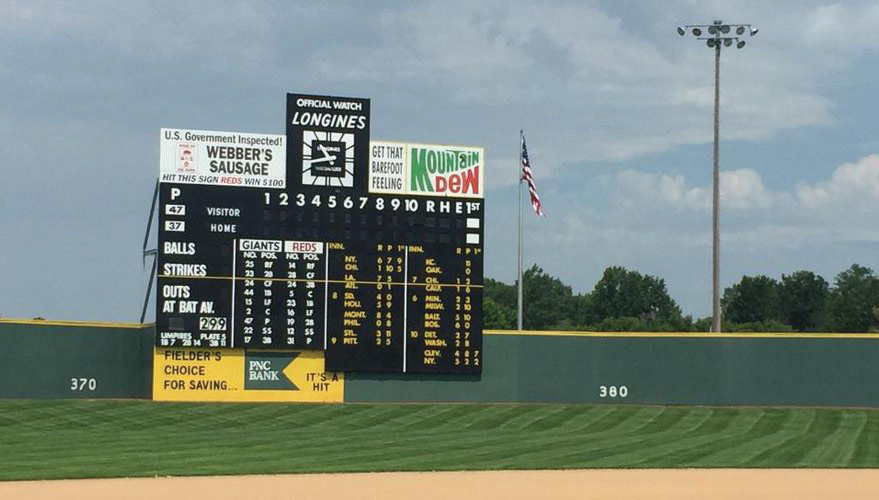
<point>85,360</point>
<point>66,359</point>
<point>779,369</point>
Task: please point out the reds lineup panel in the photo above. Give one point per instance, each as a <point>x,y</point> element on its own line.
<point>323,239</point>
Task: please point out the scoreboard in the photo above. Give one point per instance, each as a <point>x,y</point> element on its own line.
<point>323,239</point>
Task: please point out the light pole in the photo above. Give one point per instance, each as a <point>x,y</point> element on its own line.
<point>717,35</point>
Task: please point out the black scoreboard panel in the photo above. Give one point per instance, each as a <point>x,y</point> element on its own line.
<point>383,282</point>
<point>374,287</point>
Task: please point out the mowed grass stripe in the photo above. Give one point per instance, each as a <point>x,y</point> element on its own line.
<point>825,423</point>
<point>418,452</point>
<point>400,443</point>
<point>518,444</point>
<point>867,444</point>
<point>435,453</point>
<point>837,448</point>
<point>576,450</point>
<point>770,422</point>
<point>523,416</point>
<point>54,439</point>
<point>602,452</point>
<point>444,417</point>
<point>345,443</point>
<point>456,438</point>
<point>559,420</point>
<point>581,419</point>
<point>753,423</point>
<point>261,455</point>
<point>542,448</point>
<point>786,450</point>
<point>497,415</point>
<point>431,416</point>
<point>717,424</point>
<point>747,449</point>
<point>549,420</point>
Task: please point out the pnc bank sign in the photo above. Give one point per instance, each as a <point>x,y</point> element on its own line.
<point>427,169</point>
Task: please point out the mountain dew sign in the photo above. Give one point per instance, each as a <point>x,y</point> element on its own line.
<point>426,169</point>
<point>440,170</point>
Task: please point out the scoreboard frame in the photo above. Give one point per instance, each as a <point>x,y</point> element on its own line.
<point>370,251</point>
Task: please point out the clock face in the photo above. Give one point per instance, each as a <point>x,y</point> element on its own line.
<point>327,159</point>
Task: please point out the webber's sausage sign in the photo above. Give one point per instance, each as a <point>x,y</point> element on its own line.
<point>223,158</point>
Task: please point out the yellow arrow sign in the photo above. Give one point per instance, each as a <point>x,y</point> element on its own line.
<point>306,372</point>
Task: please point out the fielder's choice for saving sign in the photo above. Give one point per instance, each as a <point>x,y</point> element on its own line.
<point>321,239</point>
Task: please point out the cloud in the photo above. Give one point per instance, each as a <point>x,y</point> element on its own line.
<point>743,189</point>
<point>851,184</point>
<point>850,25</point>
<point>588,81</point>
<point>842,208</point>
<point>612,92</point>
<point>740,189</point>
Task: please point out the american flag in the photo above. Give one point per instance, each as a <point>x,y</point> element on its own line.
<point>529,178</point>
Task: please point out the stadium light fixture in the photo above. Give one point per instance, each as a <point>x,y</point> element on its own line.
<point>718,36</point>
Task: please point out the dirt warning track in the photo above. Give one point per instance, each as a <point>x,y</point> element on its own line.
<point>605,484</point>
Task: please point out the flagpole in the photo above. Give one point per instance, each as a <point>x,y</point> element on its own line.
<point>519,259</point>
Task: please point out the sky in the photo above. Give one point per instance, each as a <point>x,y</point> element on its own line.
<point>616,109</point>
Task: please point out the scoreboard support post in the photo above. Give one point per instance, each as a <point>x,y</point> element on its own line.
<point>146,253</point>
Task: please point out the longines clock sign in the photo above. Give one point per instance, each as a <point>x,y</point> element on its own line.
<point>327,138</point>
<point>322,240</point>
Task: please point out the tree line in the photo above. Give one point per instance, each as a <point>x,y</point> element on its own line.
<point>625,300</point>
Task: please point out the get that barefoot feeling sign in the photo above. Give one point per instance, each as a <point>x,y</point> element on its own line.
<point>185,374</point>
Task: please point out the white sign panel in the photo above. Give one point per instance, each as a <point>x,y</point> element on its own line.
<point>387,167</point>
<point>223,158</point>
<point>426,169</point>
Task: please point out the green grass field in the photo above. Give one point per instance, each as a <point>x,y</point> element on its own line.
<point>76,439</point>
